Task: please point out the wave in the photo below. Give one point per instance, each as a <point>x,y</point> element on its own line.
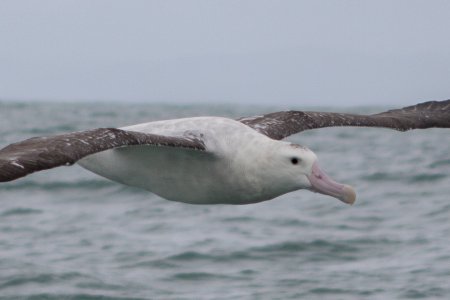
<point>173,261</point>
<point>440,163</point>
<point>295,247</point>
<point>337,291</point>
<point>411,178</point>
<point>43,278</point>
<point>199,276</point>
<point>67,297</point>
<point>426,177</point>
<point>49,130</point>
<point>319,250</point>
<point>20,211</point>
<point>58,185</point>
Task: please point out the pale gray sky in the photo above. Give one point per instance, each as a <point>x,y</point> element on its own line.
<point>269,52</point>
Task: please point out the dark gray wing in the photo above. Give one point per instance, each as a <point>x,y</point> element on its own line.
<point>279,125</point>
<point>41,153</point>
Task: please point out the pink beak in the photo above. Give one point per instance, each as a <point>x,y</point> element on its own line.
<point>322,183</point>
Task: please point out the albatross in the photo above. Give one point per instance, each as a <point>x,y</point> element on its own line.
<point>211,160</point>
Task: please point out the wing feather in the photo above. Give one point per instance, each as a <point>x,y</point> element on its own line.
<point>279,125</point>
<point>41,153</point>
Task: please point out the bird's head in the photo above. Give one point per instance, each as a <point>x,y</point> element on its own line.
<point>300,170</point>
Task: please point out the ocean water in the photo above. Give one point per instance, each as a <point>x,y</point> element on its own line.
<point>69,234</point>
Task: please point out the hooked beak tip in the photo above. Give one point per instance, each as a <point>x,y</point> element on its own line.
<point>348,195</point>
<point>323,184</point>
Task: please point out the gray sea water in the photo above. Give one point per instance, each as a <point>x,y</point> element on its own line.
<point>69,234</point>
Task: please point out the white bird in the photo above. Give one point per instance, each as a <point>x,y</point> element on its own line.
<point>211,160</point>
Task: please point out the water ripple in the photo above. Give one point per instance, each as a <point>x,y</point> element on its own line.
<point>59,185</point>
<point>20,211</point>
<point>43,278</point>
<point>200,276</point>
<point>68,297</point>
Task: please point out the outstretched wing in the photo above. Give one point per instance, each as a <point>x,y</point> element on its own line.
<point>41,153</point>
<point>279,125</point>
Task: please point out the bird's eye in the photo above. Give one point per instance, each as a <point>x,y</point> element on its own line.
<point>294,160</point>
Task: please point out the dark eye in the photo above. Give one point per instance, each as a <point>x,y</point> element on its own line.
<point>294,160</point>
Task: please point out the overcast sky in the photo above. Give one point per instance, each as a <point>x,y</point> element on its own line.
<point>268,52</point>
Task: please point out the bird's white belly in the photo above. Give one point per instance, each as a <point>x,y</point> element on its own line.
<point>181,175</point>
<point>214,176</point>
